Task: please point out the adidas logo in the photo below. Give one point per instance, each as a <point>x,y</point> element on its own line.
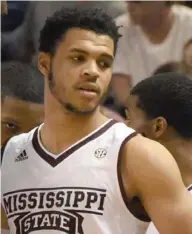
<point>21,157</point>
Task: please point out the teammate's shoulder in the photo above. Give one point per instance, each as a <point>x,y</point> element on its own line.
<point>23,138</point>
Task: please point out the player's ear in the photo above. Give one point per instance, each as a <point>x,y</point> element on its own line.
<point>44,63</point>
<point>159,127</point>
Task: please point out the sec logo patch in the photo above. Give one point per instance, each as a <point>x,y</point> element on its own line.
<point>100,153</point>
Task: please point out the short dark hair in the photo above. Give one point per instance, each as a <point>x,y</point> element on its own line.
<point>92,19</point>
<point>21,81</point>
<point>167,67</point>
<point>168,95</point>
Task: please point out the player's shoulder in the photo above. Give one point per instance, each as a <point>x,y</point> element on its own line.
<point>115,133</point>
<point>147,161</point>
<point>144,143</point>
<point>17,142</point>
<point>121,130</point>
<point>145,149</point>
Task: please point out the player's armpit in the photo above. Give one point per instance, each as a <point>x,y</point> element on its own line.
<point>158,184</point>
<point>4,223</point>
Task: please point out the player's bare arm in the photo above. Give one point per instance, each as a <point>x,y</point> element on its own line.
<point>157,182</point>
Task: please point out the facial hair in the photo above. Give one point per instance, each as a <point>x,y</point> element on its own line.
<point>67,106</point>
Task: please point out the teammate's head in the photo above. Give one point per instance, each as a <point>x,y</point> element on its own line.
<point>77,47</point>
<point>167,67</point>
<point>21,99</point>
<point>148,13</point>
<point>160,107</point>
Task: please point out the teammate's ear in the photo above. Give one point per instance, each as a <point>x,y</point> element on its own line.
<point>159,127</point>
<point>44,64</point>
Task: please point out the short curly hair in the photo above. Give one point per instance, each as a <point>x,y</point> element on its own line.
<point>168,95</point>
<point>90,19</point>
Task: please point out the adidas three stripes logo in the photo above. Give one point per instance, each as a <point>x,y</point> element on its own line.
<point>21,156</point>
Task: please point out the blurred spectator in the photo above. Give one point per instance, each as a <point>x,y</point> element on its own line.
<point>153,34</point>
<point>111,114</point>
<point>13,39</point>
<point>40,10</point>
<point>23,43</point>
<point>3,7</point>
<point>15,16</point>
<point>186,64</point>
<point>112,102</point>
<point>22,108</point>
<point>188,3</point>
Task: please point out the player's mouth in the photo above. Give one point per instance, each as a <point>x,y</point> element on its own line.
<point>89,90</point>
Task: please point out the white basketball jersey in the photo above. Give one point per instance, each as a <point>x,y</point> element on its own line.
<point>75,192</point>
<point>152,229</point>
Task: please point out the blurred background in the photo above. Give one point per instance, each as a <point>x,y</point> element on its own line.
<point>156,37</point>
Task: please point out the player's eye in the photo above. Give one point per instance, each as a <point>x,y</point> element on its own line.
<point>10,126</point>
<point>78,58</point>
<point>104,64</point>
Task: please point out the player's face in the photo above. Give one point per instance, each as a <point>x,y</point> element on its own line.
<point>137,119</point>
<point>19,117</point>
<point>81,70</point>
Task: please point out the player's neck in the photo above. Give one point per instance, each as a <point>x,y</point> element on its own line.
<point>182,152</point>
<point>157,33</point>
<point>62,129</point>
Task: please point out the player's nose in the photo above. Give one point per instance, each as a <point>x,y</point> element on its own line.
<point>91,71</point>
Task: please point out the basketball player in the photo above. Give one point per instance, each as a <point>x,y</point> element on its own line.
<point>160,108</point>
<point>21,101</point>
<point>80,172</point>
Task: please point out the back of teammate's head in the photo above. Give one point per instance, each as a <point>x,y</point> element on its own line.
<point>92,19</point>
<point>167,95</point>
<point>168,67</point>
<point>22,89</point>
<point>21,81</point>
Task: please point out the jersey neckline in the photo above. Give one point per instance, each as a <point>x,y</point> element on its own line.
<point>54,160</point>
